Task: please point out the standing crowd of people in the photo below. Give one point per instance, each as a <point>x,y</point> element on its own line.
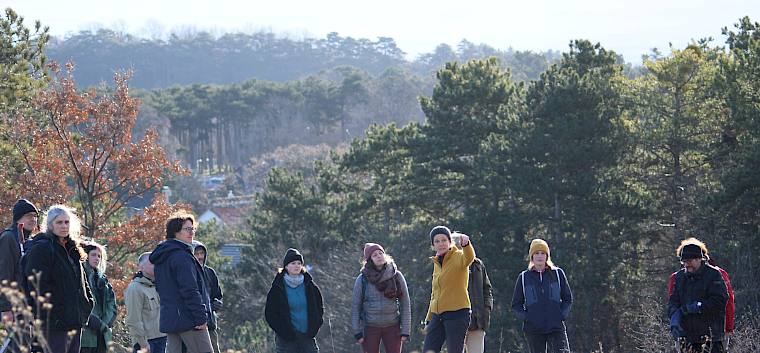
<point>171,302</point>
<point>173,299</point>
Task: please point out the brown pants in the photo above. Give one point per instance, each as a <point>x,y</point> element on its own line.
<point>390,336</point>
<point>196,341</point>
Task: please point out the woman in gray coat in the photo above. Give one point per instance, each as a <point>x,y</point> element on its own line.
<point>381,310</point>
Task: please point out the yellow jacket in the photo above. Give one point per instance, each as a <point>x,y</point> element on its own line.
<point>449,286</point>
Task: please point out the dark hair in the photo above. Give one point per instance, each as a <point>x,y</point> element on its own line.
<point>174,224</point>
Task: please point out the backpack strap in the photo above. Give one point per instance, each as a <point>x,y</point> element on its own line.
<point>522,278</point>
<point>364,291</point>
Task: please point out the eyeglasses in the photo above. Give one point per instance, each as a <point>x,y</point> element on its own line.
<point>189,229</point>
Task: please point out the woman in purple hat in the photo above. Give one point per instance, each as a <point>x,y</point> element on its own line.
<point>381,310</point>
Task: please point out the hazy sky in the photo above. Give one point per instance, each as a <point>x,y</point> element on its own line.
<point>631,28</point>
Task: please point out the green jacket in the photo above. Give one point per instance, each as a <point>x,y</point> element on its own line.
<point>104,308</point>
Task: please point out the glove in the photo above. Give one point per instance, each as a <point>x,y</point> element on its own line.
<point>692,308</point>
<point>675,324</point>
<point>94,323</point>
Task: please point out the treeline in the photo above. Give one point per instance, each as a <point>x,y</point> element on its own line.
<point>219,128</point>
<point>612,171</point>
<point>202,58</point>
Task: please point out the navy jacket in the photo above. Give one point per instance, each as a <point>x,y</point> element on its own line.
<point>546,301</point>
<point>181,285</point>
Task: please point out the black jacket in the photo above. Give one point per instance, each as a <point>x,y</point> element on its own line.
<point>277,311</point>
<point>181,285</point>
<point>481,298</point>
<point>706,286</point>
<point>61,274</point>
<point>10,254</point>
<point>214,290</point>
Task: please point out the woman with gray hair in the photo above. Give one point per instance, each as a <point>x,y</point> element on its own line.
<point>55,273</point>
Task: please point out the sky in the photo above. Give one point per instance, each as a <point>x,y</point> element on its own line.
<point>630,28</point>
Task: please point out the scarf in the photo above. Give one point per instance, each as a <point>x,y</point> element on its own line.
<point>293,281</point>
<point>385,279</point>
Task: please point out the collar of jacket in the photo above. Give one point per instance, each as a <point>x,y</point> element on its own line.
<point>452,248</point>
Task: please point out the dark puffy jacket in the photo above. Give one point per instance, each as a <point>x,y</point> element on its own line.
<point>544,302</point>
<point>277,311</point>
<point>10,254</point>
<point>181,285</point>
<point>706,286</point>
<point>61,274</point>
<point>481,298</point>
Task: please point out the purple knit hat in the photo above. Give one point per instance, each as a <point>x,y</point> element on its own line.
<point>369,248</point>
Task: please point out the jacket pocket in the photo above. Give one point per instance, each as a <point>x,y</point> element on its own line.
<point>555,292</point>
<point>530,295</point>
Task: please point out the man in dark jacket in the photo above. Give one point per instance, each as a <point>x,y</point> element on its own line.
<point>215,292</point>
<point>12,239</point>
<point>481,301</point>
<point>12,247</point>
<point>698,303</point>
<point>181,286</point>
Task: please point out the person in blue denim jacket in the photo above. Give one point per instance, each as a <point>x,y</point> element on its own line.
<point>542,300</point>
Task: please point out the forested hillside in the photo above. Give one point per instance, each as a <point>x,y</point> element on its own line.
<point>198,58</point>
<point>343,141</point>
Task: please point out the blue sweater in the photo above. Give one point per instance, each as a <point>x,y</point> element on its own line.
<point>298,308</point>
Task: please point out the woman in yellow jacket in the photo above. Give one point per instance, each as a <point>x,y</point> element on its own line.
<point>448,315</point>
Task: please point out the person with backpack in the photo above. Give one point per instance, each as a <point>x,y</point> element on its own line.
<point>381,309</point>
<point>144,309</point>
<point>294,307</point>
<point>54,259</point>
<point>448,316</point>
<point>98,333</point>
<point>697,305</point>
<point>542,301</point>
<point>710,261</point>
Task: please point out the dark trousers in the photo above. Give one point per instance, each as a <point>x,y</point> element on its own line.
<point>705,347</point>
<point>157,345</point>
<point>390,336</point>
<point>59,341</point>
<point>555,342</point>
<point>450,327</point>
<point>303,344</point>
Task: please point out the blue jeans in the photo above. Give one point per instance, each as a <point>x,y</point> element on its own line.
<point>450,327</point>
<point>157,345</point>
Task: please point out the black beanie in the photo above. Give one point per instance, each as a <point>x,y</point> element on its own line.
<point>439,230</point>
<point>22,207</point>
<point>290,256</point>
<point>691,251</point>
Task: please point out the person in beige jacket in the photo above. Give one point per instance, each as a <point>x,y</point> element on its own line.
<point>143,309</point>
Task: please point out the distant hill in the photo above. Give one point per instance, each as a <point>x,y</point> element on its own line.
<point>201,58</point>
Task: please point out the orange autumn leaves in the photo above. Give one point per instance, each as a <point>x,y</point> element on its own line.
<point>77,147</point>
